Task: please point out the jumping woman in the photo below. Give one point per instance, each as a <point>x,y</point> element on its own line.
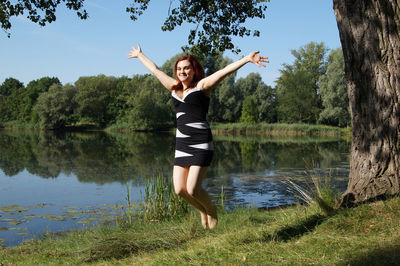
<point>191,92</point>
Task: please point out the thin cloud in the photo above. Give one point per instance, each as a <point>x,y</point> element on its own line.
<point>95,5</point>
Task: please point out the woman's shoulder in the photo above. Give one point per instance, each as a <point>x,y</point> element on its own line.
<point>200,86</point>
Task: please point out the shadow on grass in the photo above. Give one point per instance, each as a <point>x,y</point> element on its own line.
<point>121,247</point>
<point>124,245</point>
<point>294,231</point>
<point>389,255</point>
<point>116,248</point>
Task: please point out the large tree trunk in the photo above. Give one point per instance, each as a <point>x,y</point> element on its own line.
<point>370,35</point>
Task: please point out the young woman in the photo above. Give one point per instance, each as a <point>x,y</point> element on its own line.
<point>191,92</point>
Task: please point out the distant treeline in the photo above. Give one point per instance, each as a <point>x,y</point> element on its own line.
<point>311,90</point>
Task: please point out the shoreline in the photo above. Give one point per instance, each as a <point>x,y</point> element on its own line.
<point>95,225</point>
<point>300,234</point>
<point>225,129</point>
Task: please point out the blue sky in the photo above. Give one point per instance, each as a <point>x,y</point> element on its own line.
<point>70,48</point>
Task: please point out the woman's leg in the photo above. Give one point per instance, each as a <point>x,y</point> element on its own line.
<point>180,177</point>
<point>194,189</point>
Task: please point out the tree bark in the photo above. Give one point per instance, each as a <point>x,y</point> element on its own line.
<point>370,36</point>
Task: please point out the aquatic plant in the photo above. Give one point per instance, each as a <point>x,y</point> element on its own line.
<point>160,200</point>
<point>316,192</point>
<point>222,200</point>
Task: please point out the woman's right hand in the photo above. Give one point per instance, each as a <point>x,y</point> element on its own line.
<point>257,59</point>
<point>134,53</point>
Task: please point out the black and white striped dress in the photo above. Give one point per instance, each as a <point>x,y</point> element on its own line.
<point>194,144</point>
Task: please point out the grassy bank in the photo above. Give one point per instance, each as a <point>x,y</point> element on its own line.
<point>19,125</point>
<point>366,235</point>
<point>276,139</point>
<point>264,129</point>
<point>277,129</point>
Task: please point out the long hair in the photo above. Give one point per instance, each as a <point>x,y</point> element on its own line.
<point>197,68</point>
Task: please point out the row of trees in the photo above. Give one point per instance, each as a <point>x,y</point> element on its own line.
<point>311,90</point>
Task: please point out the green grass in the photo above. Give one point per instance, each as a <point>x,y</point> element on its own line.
<point>277,129</point>
<point>264,129</point>
<point>20,125</point>
<point>366,235</point>
<point>128,127</point>
<point>256,138</point>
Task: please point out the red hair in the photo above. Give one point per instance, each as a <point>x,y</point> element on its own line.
<point>197,68</point>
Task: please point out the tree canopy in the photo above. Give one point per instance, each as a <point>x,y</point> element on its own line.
<point>214,22</point>
<point>297,88</point>
<point>333,91</point>
<point>41,12</point>
<point>9,85</point>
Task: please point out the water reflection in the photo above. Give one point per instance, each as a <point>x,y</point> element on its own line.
<point>101,158</point>
<point>93,157</point>
<point>60,170</point>
<point>252,169</point>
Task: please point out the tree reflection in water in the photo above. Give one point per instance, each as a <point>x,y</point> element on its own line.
<point>69,173</point>
<point>241,164</point>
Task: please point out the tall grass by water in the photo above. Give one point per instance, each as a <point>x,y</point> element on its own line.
<point>20,125</point>
<point>278,129</point>
<point>160,200</point>
<point>159,203</point>
<point>318,192</point>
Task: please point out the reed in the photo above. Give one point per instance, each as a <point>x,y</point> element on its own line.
<point>161,201</point>
<point>126,213</point>
<point>222,200</point>
<point>20,125</point>
<point>158,203</point>
<point>129,211</point>
<point>317,192</point>
<point>277,129</point>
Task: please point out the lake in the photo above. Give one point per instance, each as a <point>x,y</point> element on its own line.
<point>52,182</point>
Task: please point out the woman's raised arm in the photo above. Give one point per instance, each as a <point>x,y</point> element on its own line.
<point>215,78</point>
<point>166,80</point>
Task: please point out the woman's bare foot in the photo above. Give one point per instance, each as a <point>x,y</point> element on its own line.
<point>204,219</point>
<point>212,219</point>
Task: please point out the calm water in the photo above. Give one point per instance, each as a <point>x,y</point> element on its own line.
<point>53,182</point>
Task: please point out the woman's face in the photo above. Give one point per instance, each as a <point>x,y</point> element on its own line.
<point>184,71</point>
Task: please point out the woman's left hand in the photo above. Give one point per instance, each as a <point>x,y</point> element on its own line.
<point>257,59</point>
<point>134,53</point>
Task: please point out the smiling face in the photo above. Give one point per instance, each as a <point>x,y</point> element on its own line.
<point>185,72</point>
<point>188,72</point>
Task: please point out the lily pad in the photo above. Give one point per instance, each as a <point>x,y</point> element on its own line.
<point>18,228</point>
<point>48,216</point>
<point>30,216</point>
<point>57,218</point>
<point>75,212</point>
<point>14,208</point>
<point>71,207</point>
<point>16,222</point>
<point>9,219</point>
<point>85,221</point>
